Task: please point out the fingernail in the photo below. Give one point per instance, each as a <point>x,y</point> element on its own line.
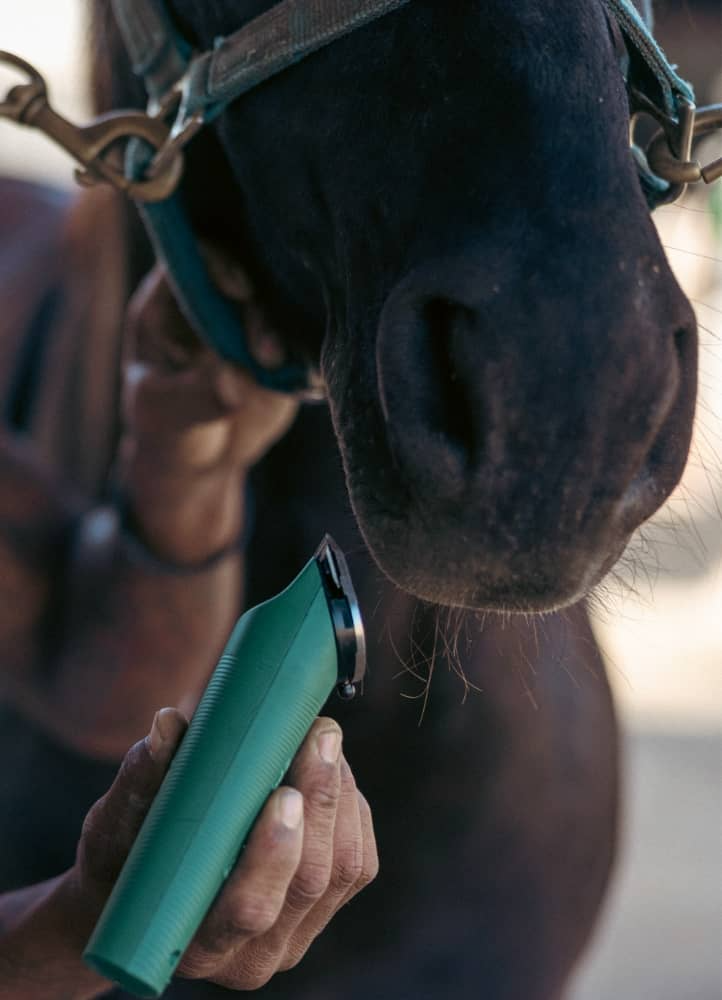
<point>158,739</point>
<point>329,745</point>
<point>290,807</point>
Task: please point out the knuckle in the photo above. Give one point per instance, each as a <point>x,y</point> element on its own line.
<point>364,807</point>
<point>250,916</point>
<point>294,953</point>
<point>369,871</point>
<point>93,822</point>
<point>309,884</point>
<point>101,848</point>
<point>231,925</point>
<point>256,980</point>
<point>348,866</point>
<point>197,963</point>
<point>246,976</point>
<point>323,797</point>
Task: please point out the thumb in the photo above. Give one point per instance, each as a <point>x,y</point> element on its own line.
<point>113,822</point>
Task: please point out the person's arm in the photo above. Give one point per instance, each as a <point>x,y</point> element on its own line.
<point>311,851</point>
<point>81,606</point>
<point>106,613</point>
<point>40,948</point>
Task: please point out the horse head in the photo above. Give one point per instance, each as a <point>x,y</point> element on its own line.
<point>441,209</point>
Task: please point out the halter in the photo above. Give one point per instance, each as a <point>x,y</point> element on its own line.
<point>194,89</point>
<point>188,90</point>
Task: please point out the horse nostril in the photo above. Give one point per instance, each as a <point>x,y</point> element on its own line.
<point>665,460</point>
<point>670,448</point>
<point>426,393</point>
<point>685,345</point>
<point>449,408</point>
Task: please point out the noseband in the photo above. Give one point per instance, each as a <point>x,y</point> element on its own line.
<point>188,90</point>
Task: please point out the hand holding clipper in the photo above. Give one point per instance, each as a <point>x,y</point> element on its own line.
<point>281,663</point>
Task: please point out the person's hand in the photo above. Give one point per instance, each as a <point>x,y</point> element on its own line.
<point>311,850</point>
<point>193,423</point>
<point>202,410</point>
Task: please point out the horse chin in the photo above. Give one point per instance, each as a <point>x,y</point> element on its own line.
<point>530,593</point>
<point>465,574</point>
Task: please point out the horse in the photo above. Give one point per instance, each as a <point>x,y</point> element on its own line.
<point>471,486</point>
<point>441,212</point>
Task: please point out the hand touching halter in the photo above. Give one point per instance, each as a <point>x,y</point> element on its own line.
<point>188,90</point>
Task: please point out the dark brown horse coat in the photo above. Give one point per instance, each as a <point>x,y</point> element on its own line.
<point>495,815</point>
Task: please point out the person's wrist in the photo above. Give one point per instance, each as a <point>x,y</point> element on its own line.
<point>41,955</point>
<point>78,905</point>
<point>184,514</point>
<point>76,908</point>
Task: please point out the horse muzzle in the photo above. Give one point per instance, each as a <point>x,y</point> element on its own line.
<point>529,429</point>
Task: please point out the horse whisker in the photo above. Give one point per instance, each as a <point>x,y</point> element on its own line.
<point>693,253</point>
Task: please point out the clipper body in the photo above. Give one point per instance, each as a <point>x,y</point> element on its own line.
<point>282,662</point>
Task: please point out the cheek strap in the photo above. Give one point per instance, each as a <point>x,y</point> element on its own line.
<point>211,315</point>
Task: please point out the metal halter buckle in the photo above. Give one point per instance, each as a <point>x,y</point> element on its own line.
<point>671,157</point>
<point>90,145</point>
<point>670,151</point>
<point>181,129</point>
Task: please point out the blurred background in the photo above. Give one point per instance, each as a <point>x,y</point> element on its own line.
<point>659,619</point>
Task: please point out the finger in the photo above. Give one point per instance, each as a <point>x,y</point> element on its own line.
<point>347,860</point>
<point>253,897</point>
<point>156,329</point>
<point>316,772</point>
<point>353,867</point>
<point>164,359</point>
<point>264,419</point>
<point>233,281</point>
<point>174,383</point>
<point>371,865</point>
<point>113,823</point>
<point>181,398</point>
<point>370,855</point>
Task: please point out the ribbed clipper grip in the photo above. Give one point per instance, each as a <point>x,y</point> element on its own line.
<point>275,674</point>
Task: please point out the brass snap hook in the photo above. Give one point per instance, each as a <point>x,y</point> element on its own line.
<point>21,97</point>
<point>709,120</point>
<point>670,155</point>
<point>89,145</point>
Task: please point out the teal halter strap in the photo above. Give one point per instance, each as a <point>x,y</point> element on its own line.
<point>655,88</point>
<point>672,88</point>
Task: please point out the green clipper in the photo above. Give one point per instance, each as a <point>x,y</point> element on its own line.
<point>281,663</point>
